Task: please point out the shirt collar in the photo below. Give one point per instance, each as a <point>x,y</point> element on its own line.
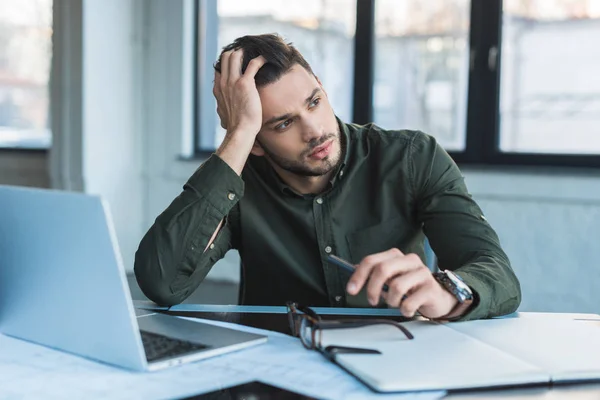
<point>345,143</point>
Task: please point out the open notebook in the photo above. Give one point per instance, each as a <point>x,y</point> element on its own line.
<point>477,354</point>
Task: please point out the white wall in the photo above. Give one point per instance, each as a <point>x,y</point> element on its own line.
<point>112,140</point>
<point>549,224</point>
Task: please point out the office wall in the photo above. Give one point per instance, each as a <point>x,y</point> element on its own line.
<point>549,224</point>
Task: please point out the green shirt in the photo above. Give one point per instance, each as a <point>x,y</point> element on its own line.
<point>392,189</point>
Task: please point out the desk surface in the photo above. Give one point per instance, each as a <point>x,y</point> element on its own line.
<point>275,318</point>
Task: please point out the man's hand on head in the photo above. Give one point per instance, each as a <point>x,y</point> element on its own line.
<point>412,286</point>
<point>239,107</point>
<point>238,102</point>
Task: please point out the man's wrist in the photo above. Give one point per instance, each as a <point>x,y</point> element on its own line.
<point>457,311</point>
<point>235,150</point>
<point>463,294</point>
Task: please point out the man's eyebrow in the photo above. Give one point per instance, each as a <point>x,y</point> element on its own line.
<point>286,116</point>
<point>309,98</point>
<point>277,119</point>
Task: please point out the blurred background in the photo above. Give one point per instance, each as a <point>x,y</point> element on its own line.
<point>114,98</point>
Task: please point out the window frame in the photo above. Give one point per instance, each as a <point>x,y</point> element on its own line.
<point>482,146</point>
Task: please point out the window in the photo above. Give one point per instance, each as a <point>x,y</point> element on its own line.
<point>322,30</point>
<point>550,86</point>
<point>497,82</point>
<point>421,67</point>
<point>25,53</point>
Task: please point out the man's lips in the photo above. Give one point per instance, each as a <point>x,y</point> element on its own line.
<point>321,147</point>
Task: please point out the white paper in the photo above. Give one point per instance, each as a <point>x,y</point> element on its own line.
<point>30,371</point>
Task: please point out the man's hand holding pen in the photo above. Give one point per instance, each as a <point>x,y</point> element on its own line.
<point>412,286</point>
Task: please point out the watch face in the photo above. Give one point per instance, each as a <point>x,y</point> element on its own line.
<point>463,291</point>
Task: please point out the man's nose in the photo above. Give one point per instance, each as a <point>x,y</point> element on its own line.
<point>312,131</point>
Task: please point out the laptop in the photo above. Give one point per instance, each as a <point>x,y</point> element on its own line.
<point>63,285</point>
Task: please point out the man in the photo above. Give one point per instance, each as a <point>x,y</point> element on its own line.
<point>291,184</point>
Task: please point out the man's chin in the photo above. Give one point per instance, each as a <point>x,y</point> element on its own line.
<point>323,169</point>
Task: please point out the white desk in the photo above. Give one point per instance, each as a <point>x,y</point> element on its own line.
<point>34,374</point>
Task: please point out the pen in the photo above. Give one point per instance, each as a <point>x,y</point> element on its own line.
<point>347,266</point>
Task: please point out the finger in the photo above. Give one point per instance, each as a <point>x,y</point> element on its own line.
<point>404,284</point>
<point>225,68</point>
<point>254,65</point>
<point>218,92</point>
<point>216,85</point>
<point>386,271</point>
<point>414,301</point>
<point>235,66</point>
<point>363,270</point>
<point>380,274</point>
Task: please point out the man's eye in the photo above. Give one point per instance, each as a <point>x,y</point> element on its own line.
<point>314,103</point>
<point>284,124</point>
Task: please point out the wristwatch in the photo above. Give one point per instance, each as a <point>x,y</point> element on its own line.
<point>459,289</point>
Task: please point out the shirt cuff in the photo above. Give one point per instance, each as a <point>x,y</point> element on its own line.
<point>218,184</point>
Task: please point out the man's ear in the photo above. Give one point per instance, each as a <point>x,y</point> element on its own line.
<point>257,149</point>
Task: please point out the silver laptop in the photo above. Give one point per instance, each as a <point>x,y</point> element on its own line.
<point>63,285</point>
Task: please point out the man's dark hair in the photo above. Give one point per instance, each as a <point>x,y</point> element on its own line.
<point>280,56</point>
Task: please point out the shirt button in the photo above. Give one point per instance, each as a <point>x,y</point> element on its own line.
<point>328,249</point>
<point>341,173</point>
<point>212,246</point>
<point>231,196</point>
<point>319,201</point>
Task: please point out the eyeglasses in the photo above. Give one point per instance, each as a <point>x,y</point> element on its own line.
<point>306,324</point>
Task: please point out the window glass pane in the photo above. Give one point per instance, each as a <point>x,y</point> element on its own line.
<point>421,67</point>
<point>550,85</point>
<point>25,53</point>
<point>322,30</point>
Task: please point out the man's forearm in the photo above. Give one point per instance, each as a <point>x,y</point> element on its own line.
<point>176,253</point>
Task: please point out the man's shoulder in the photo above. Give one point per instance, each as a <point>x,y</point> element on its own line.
<point>395,139</point>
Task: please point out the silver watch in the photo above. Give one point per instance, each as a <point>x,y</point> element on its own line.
<point>454,284</point>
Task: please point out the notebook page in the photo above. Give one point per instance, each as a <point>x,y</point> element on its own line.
<point>567,349</point>
<point>436,358</point>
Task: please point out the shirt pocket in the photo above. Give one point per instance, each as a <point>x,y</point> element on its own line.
<point>377,238</point>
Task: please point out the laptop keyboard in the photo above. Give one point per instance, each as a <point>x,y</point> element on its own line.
<point>159,347</point>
